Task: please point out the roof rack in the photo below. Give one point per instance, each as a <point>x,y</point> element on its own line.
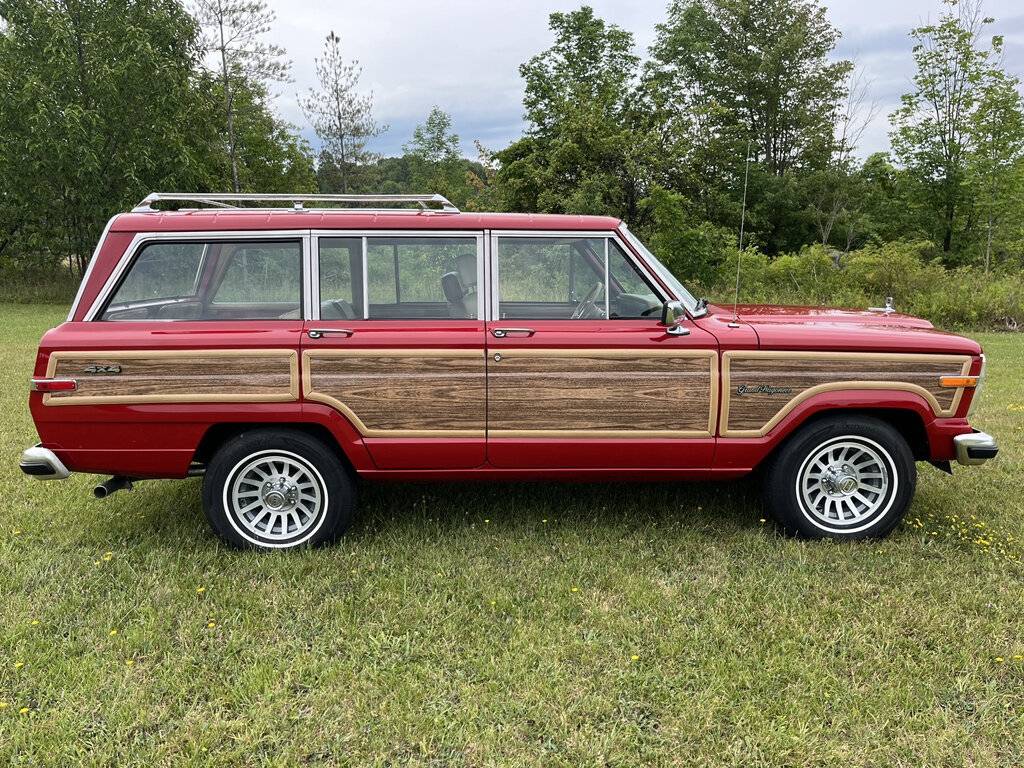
<point>226,200</point>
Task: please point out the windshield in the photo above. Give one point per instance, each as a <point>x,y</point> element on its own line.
<point>662,271</point>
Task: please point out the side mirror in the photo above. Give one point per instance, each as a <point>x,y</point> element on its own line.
<point>673,314</point>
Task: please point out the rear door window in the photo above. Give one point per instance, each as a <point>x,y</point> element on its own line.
<point>399,278</point>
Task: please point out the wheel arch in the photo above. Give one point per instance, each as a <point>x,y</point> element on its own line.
<point>322,423</point>
<point>907,412</point>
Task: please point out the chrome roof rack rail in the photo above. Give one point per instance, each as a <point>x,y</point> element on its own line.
<point>298,201</point>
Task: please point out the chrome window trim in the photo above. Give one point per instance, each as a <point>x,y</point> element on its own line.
<point>88,268</point>
<point>604,234</point>
<point>141,239</point>
<point>367,234</point>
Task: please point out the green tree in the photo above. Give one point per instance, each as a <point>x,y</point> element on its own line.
<point>934,129</point>
<point>728,72</point>
<point>340,115</point>
<point>754,69</point>
<point>436,165</point>
<point>97,100</point>
<point>233,31</point>
<point>997,127</point>
<point>589,147</point>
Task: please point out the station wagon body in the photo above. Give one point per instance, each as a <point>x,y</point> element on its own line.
<point>283,352</point>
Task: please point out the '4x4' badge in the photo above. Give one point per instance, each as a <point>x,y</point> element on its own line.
<point>108,370</point>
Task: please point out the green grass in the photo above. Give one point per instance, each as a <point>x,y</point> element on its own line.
<point>486,624</point>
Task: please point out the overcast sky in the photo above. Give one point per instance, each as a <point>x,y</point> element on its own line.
<point>464,55</point>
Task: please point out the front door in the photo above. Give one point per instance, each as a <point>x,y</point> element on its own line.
<point>395,343</point>
<point>581,374</point>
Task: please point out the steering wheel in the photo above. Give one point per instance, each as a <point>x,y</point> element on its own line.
<point>585,306</point>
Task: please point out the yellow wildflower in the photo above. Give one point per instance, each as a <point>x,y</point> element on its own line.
<point>113,632</point>
<point>200,590</point>
<point>19,664</point>
<point>211,624</point>
<point>634,657</point>
<point>24,710</point>
<point>34,622</point>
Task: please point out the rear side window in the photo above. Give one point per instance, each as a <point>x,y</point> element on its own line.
<point>214,280</point>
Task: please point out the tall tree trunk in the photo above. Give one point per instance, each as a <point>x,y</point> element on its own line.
<point>988,244</point>
<point>228,105</point>
<point>947,237</point>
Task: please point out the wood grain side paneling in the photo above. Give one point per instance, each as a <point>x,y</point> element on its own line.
<point>179,376</point>
<point>602,393</point>
<point>402,393</point>
<point>760,388</point>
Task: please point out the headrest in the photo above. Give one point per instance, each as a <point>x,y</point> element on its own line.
<point>452,287</point>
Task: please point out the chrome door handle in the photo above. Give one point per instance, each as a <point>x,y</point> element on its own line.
<point>316,333</point>
<point>500,333</point>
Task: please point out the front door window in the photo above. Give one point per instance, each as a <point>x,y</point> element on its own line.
<point>570,278</point>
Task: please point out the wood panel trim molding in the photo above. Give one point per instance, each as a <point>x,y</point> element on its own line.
<point>288,394</point>
<point>612,354</point>
<point>309,393</point>
<point>963,361</point>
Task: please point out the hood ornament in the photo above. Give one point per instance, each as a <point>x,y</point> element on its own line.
<point>888,309</point>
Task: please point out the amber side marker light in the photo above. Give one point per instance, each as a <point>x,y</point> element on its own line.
<point>958,381</point>
<point>54,385</point>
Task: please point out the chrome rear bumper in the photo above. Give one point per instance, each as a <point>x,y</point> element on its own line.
<point>42,464</point>
<point>975,448</point>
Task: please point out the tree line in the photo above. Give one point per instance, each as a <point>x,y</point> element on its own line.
<point>102,101</point>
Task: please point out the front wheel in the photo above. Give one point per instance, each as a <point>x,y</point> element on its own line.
<point>277,489</point>
<point>845,477</point>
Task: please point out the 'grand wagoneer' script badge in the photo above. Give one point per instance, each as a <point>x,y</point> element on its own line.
<point>762,389</point>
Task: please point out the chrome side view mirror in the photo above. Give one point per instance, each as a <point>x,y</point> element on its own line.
<point>673,315</point>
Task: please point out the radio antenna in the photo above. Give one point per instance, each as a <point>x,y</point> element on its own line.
<point>735,323</point>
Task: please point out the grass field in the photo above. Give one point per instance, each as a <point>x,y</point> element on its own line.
<point>479,625</point>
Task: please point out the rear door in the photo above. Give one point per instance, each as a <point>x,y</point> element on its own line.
<point>581,374</point>
<point>395,343</point>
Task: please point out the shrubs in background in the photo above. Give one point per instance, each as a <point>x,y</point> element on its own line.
<point>907,271</point>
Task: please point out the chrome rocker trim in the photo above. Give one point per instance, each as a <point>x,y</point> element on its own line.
<point>975,448</point>
<point>43,464</point>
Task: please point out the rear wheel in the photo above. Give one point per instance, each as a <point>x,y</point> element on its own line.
<point>277,489</point>
<point>845,477</point>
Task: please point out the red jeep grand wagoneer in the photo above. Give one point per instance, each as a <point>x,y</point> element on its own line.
<point>280,352</point>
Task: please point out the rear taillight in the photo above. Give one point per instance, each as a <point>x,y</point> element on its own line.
<point>54,385</point>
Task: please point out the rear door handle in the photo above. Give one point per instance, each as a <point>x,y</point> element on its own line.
<point>500,333</point>
<point>316,333</point>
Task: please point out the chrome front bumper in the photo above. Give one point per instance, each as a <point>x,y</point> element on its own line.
<point>42,464</point>
<point>975,448</point>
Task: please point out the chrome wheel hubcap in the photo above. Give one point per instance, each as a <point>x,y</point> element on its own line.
<point>275,498</point>
<point>846,483</point>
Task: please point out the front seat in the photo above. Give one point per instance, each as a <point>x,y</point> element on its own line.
<point>460,287</point>
<point>454,294</point>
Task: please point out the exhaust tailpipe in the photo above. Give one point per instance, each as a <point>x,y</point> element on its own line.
<point>114,484</point>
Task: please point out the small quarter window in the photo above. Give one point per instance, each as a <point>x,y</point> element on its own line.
<point>212,280</point>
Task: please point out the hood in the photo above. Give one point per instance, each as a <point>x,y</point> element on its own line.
<point>826,328</point>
